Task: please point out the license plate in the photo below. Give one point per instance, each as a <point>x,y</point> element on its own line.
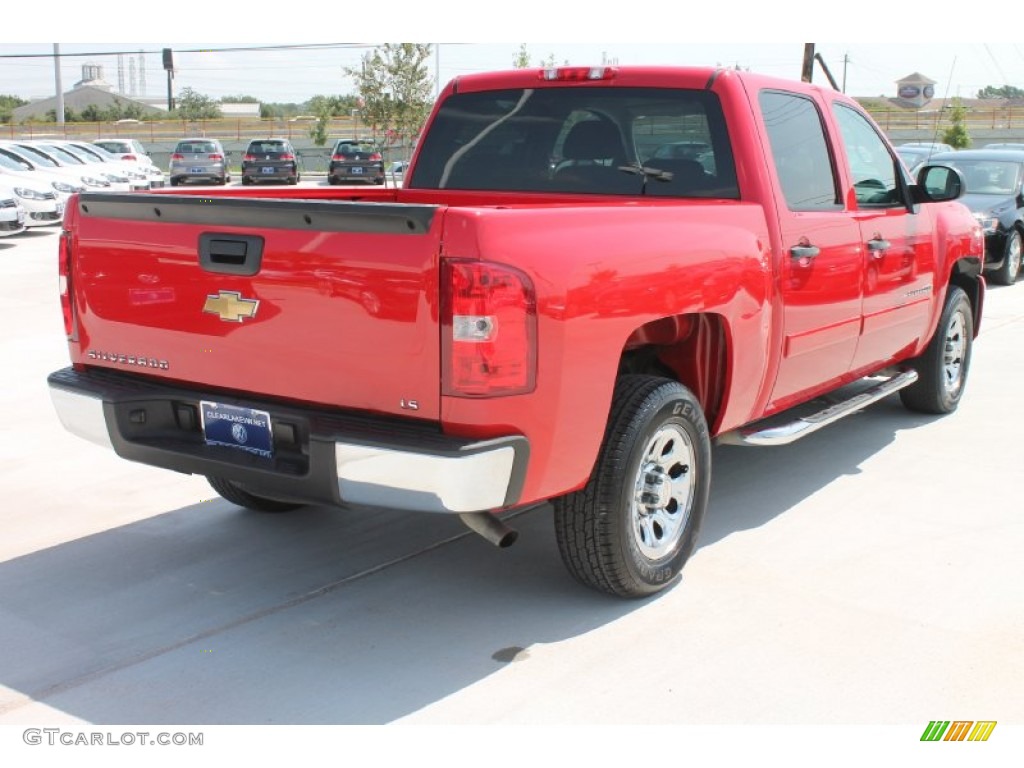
<point>267,170</point>
<point>244,429</point>
<point>60,207</point>
<point>197,170</point>
<point>357,170</point>
<point>21,217</point>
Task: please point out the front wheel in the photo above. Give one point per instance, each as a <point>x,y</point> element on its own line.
<point>942,367</point>
<point>234,493</point>
<point>1007,274</point>
<point>632,527</point>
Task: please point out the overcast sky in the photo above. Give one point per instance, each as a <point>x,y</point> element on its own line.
<point>676,33</point>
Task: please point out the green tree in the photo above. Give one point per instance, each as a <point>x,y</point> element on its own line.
<point>956,134</point>
<point>70,116</point>
<point>395,87</point>
<point>335,106</point>
<point>318,131</point>
<point>8,105</point>
<point>522,59</point>
<point>92,114</point>
<point>1001,92</point>
<point>238,100</point>
<point>192,105</point>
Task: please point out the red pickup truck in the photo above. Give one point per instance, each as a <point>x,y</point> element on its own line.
<point>589,276</point>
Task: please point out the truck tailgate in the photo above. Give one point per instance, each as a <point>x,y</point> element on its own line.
<point>325,302</point>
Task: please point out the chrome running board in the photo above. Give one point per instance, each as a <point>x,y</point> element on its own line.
<point>784,434</point>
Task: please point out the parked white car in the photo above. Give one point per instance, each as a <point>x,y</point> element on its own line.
<point>77,180</point>
<point>126,149</point>
<point>141,169</point>
<point>121,180</point>
<point>12,215</point>
<point>43,206</point>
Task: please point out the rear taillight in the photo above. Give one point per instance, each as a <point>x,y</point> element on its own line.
<point>375,156</point>
<point>338,156</point>
<point>129,157</point>
<point>177,156</point>
<point>287,156</point>
<point>249,158</point>
<point>488,330</point>
<point>64,284</point>
<point>216,156</point>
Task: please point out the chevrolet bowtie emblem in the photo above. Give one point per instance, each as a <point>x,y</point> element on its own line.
<point>230,306</point>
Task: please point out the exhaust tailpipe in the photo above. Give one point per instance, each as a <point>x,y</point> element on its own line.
<point>490,527</point>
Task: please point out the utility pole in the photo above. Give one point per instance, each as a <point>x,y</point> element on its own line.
<point>56,80</point>
<point>846,60</point>
<point>807,71</point>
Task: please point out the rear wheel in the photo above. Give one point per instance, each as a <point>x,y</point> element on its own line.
<point>234,493</point>
<point>632,527</point>
<point>942,368</point>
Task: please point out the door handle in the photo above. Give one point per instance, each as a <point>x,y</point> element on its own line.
<point>804,251</point>
<point>877,244</point>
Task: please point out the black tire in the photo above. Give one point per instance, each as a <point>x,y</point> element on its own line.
<point>629,530</point>
<point>246,181</point>
<point>332,180</point>
<point>943,366</point>
<point>174,182</point>
<point>1007,274</point>
<point>236,495</point>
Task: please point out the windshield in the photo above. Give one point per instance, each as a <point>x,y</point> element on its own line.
<point>113,146</point>
<point>38,157</point>
<point>989,177</point>
<point>588,139</point>
<point>196,147</point>
<point>92,153</point>
<point>8,162</point>
<point>62,155</point>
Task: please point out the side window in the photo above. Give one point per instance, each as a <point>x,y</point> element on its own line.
<point>872,167</point>
<point>800,151</point>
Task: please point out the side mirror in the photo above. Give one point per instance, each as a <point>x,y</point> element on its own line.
<point>938,183</point>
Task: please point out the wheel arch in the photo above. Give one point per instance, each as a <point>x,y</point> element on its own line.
<point>693,349</point>
<point>967,275</point>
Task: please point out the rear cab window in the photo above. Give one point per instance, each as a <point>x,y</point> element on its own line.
<point>668,142</point>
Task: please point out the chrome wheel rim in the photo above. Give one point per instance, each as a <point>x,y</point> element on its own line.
<point>663,492</point>
<point>953,353</point>
<point>1013,255</point>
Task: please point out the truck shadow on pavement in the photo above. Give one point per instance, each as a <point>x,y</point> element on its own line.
<point>214,615</point>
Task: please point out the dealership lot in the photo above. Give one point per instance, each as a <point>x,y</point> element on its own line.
<point>868,574</point>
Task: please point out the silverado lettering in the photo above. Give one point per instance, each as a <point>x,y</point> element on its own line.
<point>589,276</point>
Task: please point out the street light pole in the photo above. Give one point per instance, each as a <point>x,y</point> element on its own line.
<point>60,89</point>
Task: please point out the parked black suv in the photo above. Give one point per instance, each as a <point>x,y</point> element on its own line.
<point>270,160</point>
<point>355,160</point>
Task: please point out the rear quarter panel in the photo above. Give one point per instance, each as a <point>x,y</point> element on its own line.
<point>601,271</point>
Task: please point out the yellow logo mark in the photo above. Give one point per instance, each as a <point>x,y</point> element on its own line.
<point>230,306</point>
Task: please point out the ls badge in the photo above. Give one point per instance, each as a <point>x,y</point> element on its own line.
<point>230,306</point>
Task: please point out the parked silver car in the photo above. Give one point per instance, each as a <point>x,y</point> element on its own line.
<point>199,159</point>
